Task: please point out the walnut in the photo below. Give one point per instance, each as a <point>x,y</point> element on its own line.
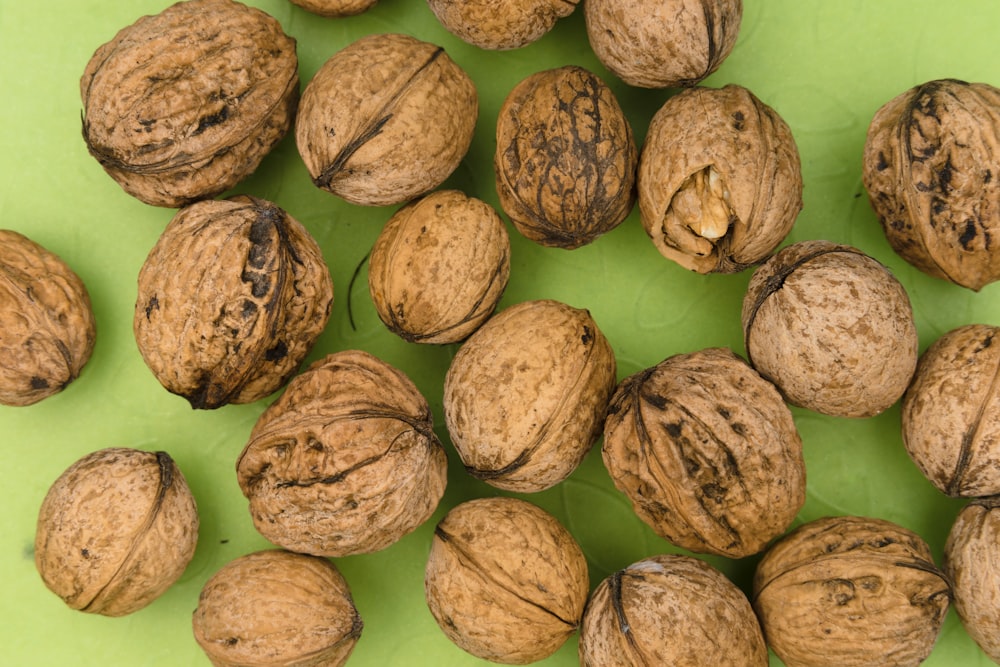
<point>183,105</point>
<point>719,179</point>
<point>565,159</point>
<point>345,461</point>
<point>47,324</point>
<point>500,24</point>
<point>116,530</point>
<point>233,319</point>
<point>336,8</point>
<point>505,580</point>
<point>386,119</point>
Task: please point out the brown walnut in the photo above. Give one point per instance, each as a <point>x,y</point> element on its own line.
<point>336,8</point>
<point>500,24</point>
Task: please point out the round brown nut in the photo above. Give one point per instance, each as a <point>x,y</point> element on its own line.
<point>47,324</point>
<point>185,104</point>
<point>233,319</point>
<point>565,159</point>
<point>336,8</point>
<point>277,608</point>
<point>670,610</point>
<point>345,461</point>
<point>116,530</point>
<point>832,328</point>
<point>525,396</point>
<point>439,267</point>
<point>500,24</point>
<point>386,119</point>
<point>930,168</point>
<point>719,179</point>
<point>505,580</point>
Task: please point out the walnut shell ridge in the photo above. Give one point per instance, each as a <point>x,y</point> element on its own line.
<point>336,8</point>
<point>499,25</point>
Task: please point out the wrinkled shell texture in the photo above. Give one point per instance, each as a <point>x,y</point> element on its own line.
<point>505,580</point>
<point>116,530</point>
<point>216,88</point>
<point>850,591</point>
<point>707,452</point>
<point>719,179</point>
<point>931,166</point>
<point>662,43</point>
<point>47,325</point>
<point>277,608</point>
<point>832,328</point>
<point>498,25</point>
<point>439,267</point>
<point>670,610</point>
<point>345,461</point>
<point>386,119</point>
<point>231,299</point>
<point>951,412</point>
<point>566,158</point>
<point>336,8</point>
<point>526,395</point>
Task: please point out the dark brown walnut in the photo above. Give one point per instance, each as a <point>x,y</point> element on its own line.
<point>707,452</point>
<point>526,395</point>
<point>47,324</point>
<point>230,301</point>
<point>670,610</point>
<point>500,24</point>
<point>439,267</point>
<point>277,608</point>
<point>931,162</point>
<point>850,592</point>
<point>505,581</point>
<point>719,179</point>
<point>565,159</point>
<point>116,530</point>
<point>386,119</point>
<point>185,104</point>
<point>336,8</point>
<point>345,461</point>
<point>662,43</point>
<point>832,328</point>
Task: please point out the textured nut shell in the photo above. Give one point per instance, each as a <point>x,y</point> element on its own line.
<point>216,89</point>
<point>525,396</point>
<point>47,325</point>
<point>277,608</point>
<point>662,43</point>
<point>500,24</point>
<point>707,452</point>
<point>951,412</point>
<point>505,581</point>
<point>931,160</point>
<point>345,461</point>
<point>336,8</point>
<point>850,591</point>
<point>386,119</point>
<point>230,301</point>
<point>439,267</point>
<point>670,610</point>
<point>116,530</point>
<point>566,158</point>
<point>832,328</point>
<point>729,138</point>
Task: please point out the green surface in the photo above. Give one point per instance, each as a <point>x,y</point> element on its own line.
<point>824,65</point>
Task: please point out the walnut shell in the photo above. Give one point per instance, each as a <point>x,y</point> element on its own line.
<point>116,530</point>
<point>566,158</point>
<point>832,328</point>
<point>525,396</point>
<point>850,591</point>
<point>662,43</point>
<point>386,119</point>
<point>505,580</point>
<point>336,8</point>
<point>439,267</point>
<point>707,452</point>
<point>276,608</point>
<point>230,301</point>
<point>47,324</point>
<point>184,104</point>
<point>670,610</point>
<point>719,179</point>
<point>931,161</point>
<point>345,461</point>
<point>498,25</point>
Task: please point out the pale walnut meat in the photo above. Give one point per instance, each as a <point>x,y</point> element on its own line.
<point>498,25</point>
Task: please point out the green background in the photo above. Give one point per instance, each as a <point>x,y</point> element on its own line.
<point>824,65</point>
